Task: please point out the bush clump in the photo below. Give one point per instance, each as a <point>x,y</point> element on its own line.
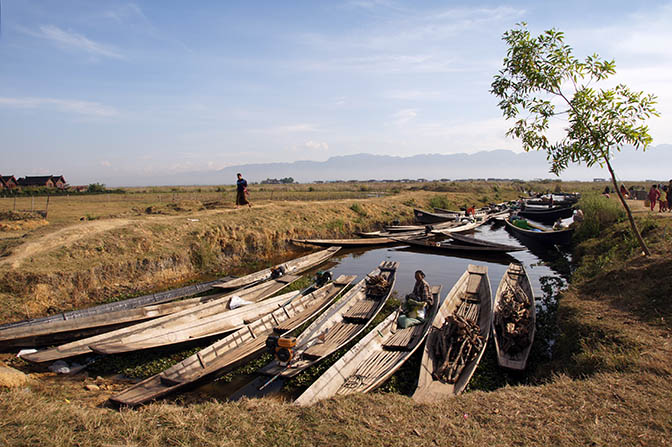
<point>598,214</point>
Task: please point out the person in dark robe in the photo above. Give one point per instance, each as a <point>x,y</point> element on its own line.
<point>241,192</point>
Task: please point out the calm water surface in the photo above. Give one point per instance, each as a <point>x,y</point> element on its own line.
<point>440,269</point>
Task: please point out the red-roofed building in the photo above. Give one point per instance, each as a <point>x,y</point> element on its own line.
<point>8,182</point>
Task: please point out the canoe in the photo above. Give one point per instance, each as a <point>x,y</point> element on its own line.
<point>472,289</point>
<point>292,267</point>
<point>379,234</point>
<point>442,228</point>
<point>372,360</point>
<point>428,217</point>
<point>178,332</point>
<point>474,241</point>
<point>61,331</point>
<point>234,349</point>
<point>41,325</point>
<point>336,327</point>
<point>546,214</point>
<point>448,247</point>
<point>515,282</point>
<point>541,235</point>
<point>363,242</point>
<point>221,304</point>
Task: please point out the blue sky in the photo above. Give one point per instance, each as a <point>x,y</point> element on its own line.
<point>98,89</point>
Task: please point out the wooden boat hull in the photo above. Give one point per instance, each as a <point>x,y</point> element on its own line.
<point>372,360</point>
<point>83,346</point>
<point>62,331</point>
<point>23,333</point>
<point>547,215</point>
<point>427,217</point>
<point>364,242</point>
<point>515,276</point>
<point>336,327</point>
<point>437,247</point>
<point>292,267</point>
<point>475,283</point>
<point>460,238</point>
<point>232,350</point>
<point>546,237</point>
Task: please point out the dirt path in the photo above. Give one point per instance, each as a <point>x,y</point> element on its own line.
<point>73,233</point>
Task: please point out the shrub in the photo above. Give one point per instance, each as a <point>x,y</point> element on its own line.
<point>440,202</point>
<point>598,214</point>
<point>357,208</point>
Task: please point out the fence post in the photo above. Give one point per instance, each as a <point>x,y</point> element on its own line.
<point>14,202</point>
<point>46,209</point>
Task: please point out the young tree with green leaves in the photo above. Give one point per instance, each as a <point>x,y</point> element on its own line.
<point>541,79</point>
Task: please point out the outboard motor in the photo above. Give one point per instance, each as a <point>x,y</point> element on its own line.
<point>282,348</point>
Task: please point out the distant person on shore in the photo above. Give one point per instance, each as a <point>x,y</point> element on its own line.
<point>241,191</point>
<point>669,196</point>
<point>624,192</point>
<point>654,195</point>
<point>606,192</point>
<point>662,201</point>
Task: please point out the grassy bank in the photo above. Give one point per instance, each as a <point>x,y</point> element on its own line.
<point>607,384</point>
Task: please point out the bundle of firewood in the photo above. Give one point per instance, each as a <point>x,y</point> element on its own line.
<point>513,319</point>
<point>376,286</point>
<point>456,344</point>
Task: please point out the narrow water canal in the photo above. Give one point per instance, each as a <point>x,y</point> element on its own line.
<point>440,269</point>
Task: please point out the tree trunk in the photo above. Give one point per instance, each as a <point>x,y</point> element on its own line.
<point>635,230</point>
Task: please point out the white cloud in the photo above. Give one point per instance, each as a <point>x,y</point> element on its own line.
<point>71,39</point>
<point>404,116</point>
<point>87,108</point>
<point>316,145</point>
<point>105,163</point>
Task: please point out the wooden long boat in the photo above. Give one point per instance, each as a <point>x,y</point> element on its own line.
<point>363,242</point>
<point>472,289</point>
<point>336,327</point>
<point>61,331</point>
<point>234,349</point>
<point>442,228</point>
<point>95,311</point>
<point>482,242</point>
<point>516,283</point>
<point>549,214</point>
<point>540,235</point>
<point>221,304</point>
<point>372,360</point>
<point>387,234</point>
<point>448,247</point>
<point>292,267</point>
<point>179,332</point>
<point>427,217</point>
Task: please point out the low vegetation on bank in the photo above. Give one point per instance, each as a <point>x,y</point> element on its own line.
<point>606,383</point>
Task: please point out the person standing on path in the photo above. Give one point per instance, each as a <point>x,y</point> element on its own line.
<point>654,195</point>
<point>241,191</point>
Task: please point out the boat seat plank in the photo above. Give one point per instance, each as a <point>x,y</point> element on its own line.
<point>361,311</point>
<point>336,335</point>
<point>403,339</point>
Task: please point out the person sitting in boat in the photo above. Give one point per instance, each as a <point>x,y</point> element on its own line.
<point>471,211</point>
<point>558,225</point>
<point>416,302</point>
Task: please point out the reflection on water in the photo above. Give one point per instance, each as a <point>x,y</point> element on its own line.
<point>445,270</point>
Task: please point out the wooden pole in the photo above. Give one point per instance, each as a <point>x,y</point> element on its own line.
<point>46,209</point>
<point>14,202</point>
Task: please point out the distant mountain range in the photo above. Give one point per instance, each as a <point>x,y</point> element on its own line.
<point>655,163</point>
